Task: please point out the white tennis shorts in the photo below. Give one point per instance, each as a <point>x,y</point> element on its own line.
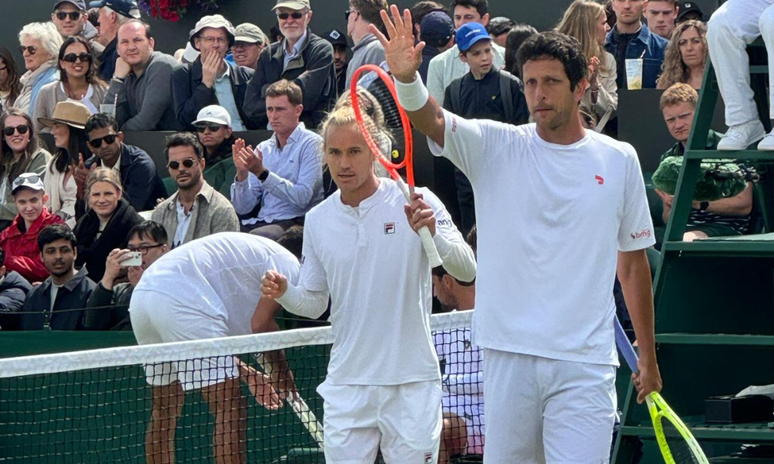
<point>404,420</point>
<point>157,318</point>
<point>542,410</point>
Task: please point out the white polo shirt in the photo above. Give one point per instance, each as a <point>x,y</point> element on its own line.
<point>372,263</point>
<point>219,275</point>
<point>551,220</point>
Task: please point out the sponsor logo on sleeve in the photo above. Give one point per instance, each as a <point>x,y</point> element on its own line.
<point>444,223</point>
<point>389,228</point>
<point>644,233</point>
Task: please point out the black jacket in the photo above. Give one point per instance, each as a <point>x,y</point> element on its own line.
<point>109,309</point>
<point>72,295</point>
<point>94,252</point>
<point>107,61</point>
<point>312,70</point>
<point>139,178</point>
<point>189,95</point>
<point>13,291</point>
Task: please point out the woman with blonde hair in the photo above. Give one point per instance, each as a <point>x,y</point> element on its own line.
<point>106,224</point>
<point>586,21</point>
<point>39,45</point>
<point>686,56</point>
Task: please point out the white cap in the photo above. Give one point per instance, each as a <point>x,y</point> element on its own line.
<point>214,113</point>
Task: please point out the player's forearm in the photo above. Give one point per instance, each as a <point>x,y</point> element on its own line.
<point>634,275</point>
<point>740,205</point>
<point>302,302</point>
<point>424,111</point>
<point>458,258</point>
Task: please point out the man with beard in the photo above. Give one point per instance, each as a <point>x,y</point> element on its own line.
<point>196,209</point>
<point>340,58</point>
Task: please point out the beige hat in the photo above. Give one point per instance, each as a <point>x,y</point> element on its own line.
<point>74,114</point>
<point>292,4</point>
<point>250,33</point>
<point>215,22</point>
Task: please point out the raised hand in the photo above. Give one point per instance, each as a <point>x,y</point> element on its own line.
<point>80,174</point>
<point>122,68</point>
<point>211,61</point>
<point>273,285</point>
<point>594,72</point>
<point>239,162</point>
<point>420,214</point>
<point>403,57</point>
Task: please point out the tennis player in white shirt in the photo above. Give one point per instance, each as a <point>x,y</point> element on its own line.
<point>383,387</point>
<point>560,210</point>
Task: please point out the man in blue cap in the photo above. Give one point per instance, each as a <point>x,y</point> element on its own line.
<point>437,31</point>
<point>112,14</point>
<point>482,93</point>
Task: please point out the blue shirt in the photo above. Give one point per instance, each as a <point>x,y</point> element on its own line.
<point>646,45</point>
<point>294,184</point>
<point>225,95</point>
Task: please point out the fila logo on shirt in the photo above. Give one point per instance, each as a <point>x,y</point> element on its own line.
<point>429,458</point>
<point>389,228</point>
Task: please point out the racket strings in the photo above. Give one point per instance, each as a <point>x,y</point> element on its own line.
<point>678,446</point>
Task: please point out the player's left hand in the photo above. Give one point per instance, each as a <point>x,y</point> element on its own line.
<point>648,380</point>
<point>260,387</point>
<point>420,214</point>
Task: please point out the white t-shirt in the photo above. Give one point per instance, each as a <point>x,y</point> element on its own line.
<point>551,219</point>
<point>372,263</point>
<point>219,274</point>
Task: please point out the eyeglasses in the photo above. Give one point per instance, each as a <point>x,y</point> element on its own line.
<point>210,40</point>
<point>31,49</point>
<point>294,15</point>
<point>187,163</point>
<point>26,177</point>
<point>74,15</point>
<point>143,249</point>
<point>21,129</point>
<point>72,57</point>
<point>109,139</point>
<point>213,127</point>
<point>349,12</point>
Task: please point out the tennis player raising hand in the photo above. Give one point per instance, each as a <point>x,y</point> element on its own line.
<point>383,384</point>
<point>560,210</point>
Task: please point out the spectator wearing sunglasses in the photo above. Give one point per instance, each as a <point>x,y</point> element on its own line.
<point>196,209</point>
<point>20,152</point>
<point>71,19</point>
<point>213,128</point>
<point>112,15</point>
<point>109,302</point>
<point>20,240</point>
<point>210,79</point>
<point>78,82</point>
<point>301,57</point>
<point>66,126</point>
<point>106,224</point>
<point>141,87</point>
<point>39,45</point>
<point>142,187</point>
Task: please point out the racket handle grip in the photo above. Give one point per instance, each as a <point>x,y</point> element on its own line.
<point>626,348</point>
<point>429,245</point>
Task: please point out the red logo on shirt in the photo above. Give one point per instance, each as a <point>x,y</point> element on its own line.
<point>600,180</point>
<point>389,228</point>
<point>640,234</point>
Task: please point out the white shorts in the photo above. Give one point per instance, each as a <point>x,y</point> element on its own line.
<point>157,318</point>
<point>542,410</point>
<point>404,420</point>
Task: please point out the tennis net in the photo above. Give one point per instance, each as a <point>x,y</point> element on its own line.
<point>97,406</point>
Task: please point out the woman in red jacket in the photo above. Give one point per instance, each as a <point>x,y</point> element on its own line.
<point>20,239</point>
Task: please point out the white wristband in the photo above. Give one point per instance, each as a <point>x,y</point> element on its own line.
<point>412,96</point>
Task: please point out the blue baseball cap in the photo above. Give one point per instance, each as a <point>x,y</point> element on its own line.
<point>470,33</point>
<point>437,28</point>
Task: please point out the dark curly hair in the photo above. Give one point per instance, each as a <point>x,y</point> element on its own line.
<point>555,45</point>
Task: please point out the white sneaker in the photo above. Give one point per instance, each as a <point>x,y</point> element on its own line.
<point>767,144</point>
<point>741,136</point>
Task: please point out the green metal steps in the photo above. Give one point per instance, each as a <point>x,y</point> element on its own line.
<point>741,155</point>
<point>715,339</point>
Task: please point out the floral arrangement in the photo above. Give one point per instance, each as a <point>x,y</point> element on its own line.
<point>173,10</point>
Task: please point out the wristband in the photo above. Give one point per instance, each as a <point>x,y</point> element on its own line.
<point>412,96</point>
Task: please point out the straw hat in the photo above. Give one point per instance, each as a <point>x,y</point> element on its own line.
<point>74,114</point>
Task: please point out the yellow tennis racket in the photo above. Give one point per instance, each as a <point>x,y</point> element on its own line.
<point>676,442</point>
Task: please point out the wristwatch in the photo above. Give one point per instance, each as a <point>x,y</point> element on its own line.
<point>703,206</point>
<point>265,175</point>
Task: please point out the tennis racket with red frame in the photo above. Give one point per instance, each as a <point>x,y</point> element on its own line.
<point>398,127</point>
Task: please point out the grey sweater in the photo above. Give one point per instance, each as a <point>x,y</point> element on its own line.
<point>145,103</point>
<point>367,51</point>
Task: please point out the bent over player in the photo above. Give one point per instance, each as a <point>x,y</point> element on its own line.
<point>560,210</point>
<point>383,387</point>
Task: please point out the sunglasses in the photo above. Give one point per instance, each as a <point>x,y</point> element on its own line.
<point>62,15</point>
<point>349,12</point>
<point>31,49</point>
<point>23,178</point>
<point>21,129</point>
<point>294,15</point>
<point>187,163</point>
<point>109,139</point>
<point>72,57</point>
<point>143,249</point>
<point>202,126</point>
